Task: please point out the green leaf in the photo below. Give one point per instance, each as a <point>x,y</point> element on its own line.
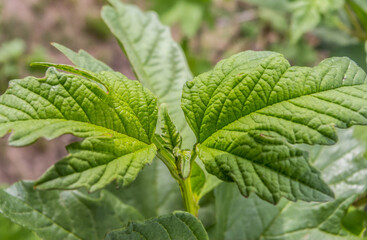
<point>188,14</point>
<point>343,165</point>
<point>202,182</point>
<point>184,162</point>
<point>239,216</point>
<point>121,120</point>
<point>287,221</point>
<point>344,169</point>
<point>355,221</point>
<point>157,60</point>
<point>198,179</point>
<point>306,15</point>
<point>10,231</point>
<point>362,4</point>
<point>65,214</point>
<point>175,226</point>
<point>96,162</point>
<point>305,18</point>
<point>170,135</point>
<point>358,10</point>
<point>249,111</point>
<point>313,221</point>
<point>83,59</point>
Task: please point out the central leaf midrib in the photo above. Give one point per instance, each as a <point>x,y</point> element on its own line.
<point>271,58</point>
<point>270,169</point>
<point>80,107</point>
<point>140,71</point>
<point>66,120</point>
<point>286,100</point>
<point>105,165</point>
<point>220,84</point>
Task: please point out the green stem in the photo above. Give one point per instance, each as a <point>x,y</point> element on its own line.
<point>189,200</point>
<point>168,159</point>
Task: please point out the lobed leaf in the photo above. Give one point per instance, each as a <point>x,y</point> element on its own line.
<point>96,162</point>
<point>249,111</point>
<point>121,120</point>
<point>175,226</point>
<point>344,168</point>
<point>64,215</point>
<point>156,58</point>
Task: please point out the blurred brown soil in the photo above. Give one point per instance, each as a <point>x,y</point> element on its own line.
<point>29,162</point>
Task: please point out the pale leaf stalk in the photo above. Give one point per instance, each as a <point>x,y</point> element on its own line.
<point>190,203</point>
<point>188,197</point>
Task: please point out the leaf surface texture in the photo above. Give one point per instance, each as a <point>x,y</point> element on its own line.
<point>250,110</point>
<point>344,168</point>
<point>118,125</point>
<point>65,215</point>
<point>175,226</point>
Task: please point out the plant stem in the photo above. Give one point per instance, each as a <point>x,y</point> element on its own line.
<point>190,203</point>
<point>168,159</point>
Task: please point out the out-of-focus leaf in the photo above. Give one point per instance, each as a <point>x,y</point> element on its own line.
<point>333,38</point>
<point>11,50</point>
<point>65,215</point>
<point>355,221</point>
<point>188,14</point>
<point>344,165</point>
<point>157,60</point>
<point>362,4</point>
<point>83,59</point>
<point>299,53</point>
<point>306,15</point>
<point>175,226</point>
<point>12,231</point>
<point>353,51</point>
